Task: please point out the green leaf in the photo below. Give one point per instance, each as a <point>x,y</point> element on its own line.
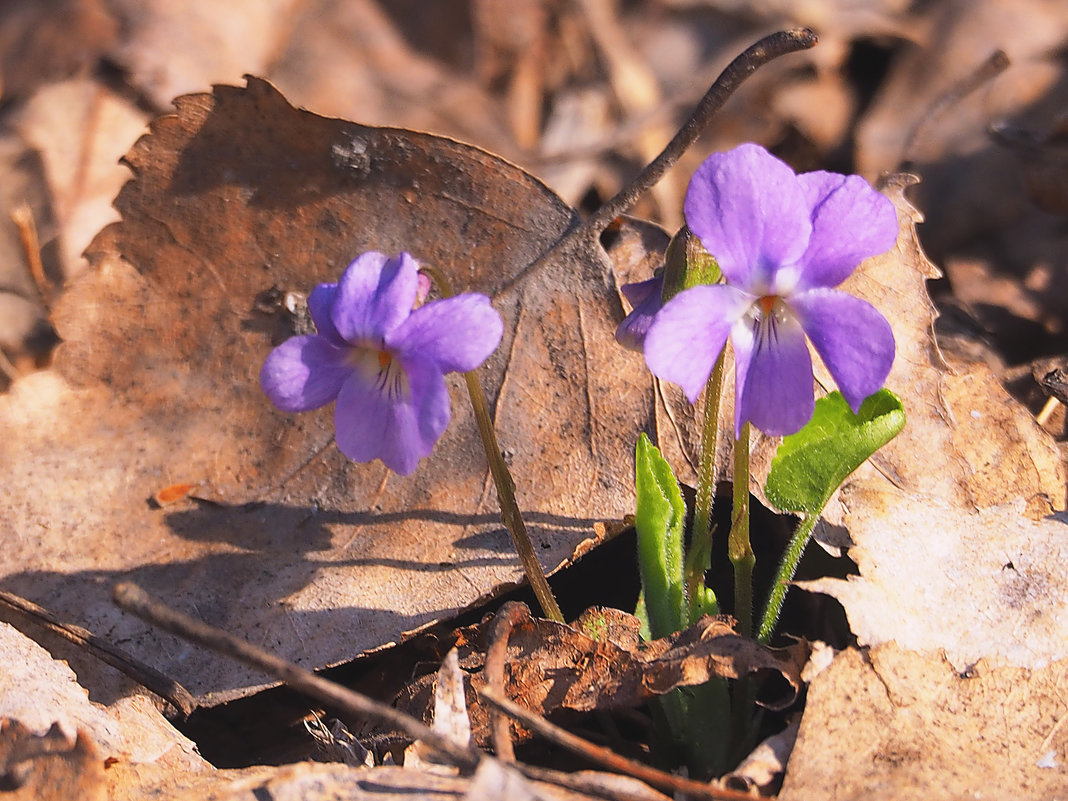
<point>660,518</point>
<point>811,464</point>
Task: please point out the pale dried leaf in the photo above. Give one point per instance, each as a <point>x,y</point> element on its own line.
<point>906,725</point>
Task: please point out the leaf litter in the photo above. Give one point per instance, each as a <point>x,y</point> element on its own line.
<point>970,478</point>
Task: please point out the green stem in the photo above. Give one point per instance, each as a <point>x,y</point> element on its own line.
<point>787,568</point>
<point>502,479</point>
<point>699,557</point>
<point>739,548</point>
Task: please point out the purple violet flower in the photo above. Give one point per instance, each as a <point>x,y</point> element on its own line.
<point>783,241</point>
<point>382,361</point>
<point>644,298</point>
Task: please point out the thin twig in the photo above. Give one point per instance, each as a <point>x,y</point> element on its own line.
<point>767,49</point>
<point>148,677</point>
<point>507,618</point>
<point>608,758</point>
<point>22,216</point>
<point>133,599</point>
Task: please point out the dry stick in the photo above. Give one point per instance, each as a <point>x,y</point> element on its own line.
<point>133,599</point>
<point>22,216</point>
<point>580,238</point>
<point>606,757</point>
<point>509,616</point>
<point>149,678</point>
<point>752,59</point>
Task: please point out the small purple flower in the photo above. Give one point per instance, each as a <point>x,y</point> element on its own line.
<point>783,241</point>
<point>644,298</point>
<point>382,361</point>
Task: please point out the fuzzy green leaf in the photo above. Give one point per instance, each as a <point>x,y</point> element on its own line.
<point>811,464</point>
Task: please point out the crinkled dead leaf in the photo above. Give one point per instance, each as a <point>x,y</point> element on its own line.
<point>49,766</point>
<point>599,663</point>
<point>951,521</point>
<point>906,725</point>
<point>238,200</point>
<point>959,555</point>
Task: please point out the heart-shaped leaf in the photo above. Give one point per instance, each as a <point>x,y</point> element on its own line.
<point>811,464</point>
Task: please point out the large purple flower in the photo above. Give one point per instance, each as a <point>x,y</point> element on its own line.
<point>783,241</point>
<point>381,361</point>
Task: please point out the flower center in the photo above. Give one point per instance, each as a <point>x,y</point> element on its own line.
<point>767,304</point>
<point>382,371</point>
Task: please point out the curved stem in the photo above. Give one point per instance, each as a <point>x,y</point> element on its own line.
<point>502,479</point>
<point>738,546</point>
<point>787,568</point>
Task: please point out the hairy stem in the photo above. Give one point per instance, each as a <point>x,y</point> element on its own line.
<point>787,568</point>
<point>699,557</point>
<point>739,548</point>
<point>502,479</point>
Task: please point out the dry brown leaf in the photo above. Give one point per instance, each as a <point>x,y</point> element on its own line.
<point>896,724</point>
<point>49,767</point>
<point>599,663</point>
<point>237,198</point>
<point>950,527</point>
<point>81,129</point>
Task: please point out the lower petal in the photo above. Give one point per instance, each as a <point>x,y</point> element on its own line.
<point>688,334</point>
<point>773,374</point>
<point>854,340</point>
<point>400,429</point>
<point>304,373</point>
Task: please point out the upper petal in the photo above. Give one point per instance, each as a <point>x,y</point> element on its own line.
<point>854,340</point>
<point>320,306</point>
<point>457,333</point>
<point>304,373</point>
<point>371,423</point>
<point>850,222</point>
<point>749,212</point>
<point>689,333</point>
<point>374,296</point>
<point>773,373</point>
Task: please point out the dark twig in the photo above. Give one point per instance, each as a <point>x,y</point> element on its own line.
<point>149,678</point>
<point>509,616</point>
<point>575,245</point>
<point>133,599</point>
<point>755,57</point>
<point>608,758</point>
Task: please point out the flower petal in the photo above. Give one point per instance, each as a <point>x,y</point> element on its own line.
<point>457,333</point>
<point>645,301</point>
<point>320,306</point>
<point>850,222</point>
<point>304,373</point>
<point>374,296</point>
<point>372,424</point>
<point>689,333</point>
<point>854,340</point>
<point>749,212</point>
<point>773,374</point>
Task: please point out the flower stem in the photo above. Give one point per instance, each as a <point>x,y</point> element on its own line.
<point>739,548</point>
<point>502,479</point>
<point>510,516</point>
<point>787,568</point>
<point>699,557</point>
